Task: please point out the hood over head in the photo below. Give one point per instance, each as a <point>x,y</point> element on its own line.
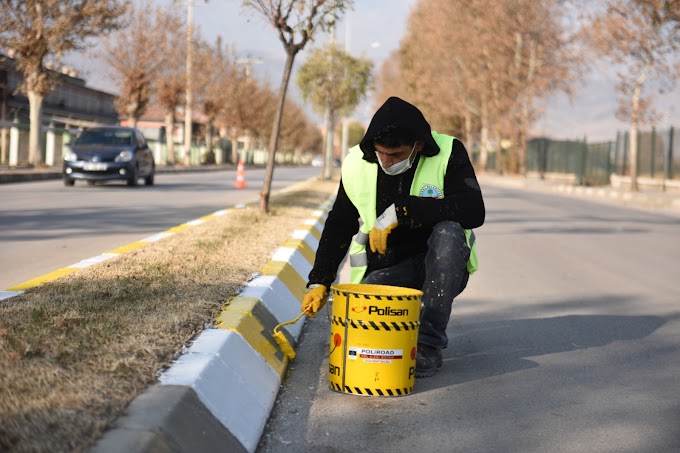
<point>398,115</point>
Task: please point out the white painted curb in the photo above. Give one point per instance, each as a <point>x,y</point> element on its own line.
<point>231,379</point>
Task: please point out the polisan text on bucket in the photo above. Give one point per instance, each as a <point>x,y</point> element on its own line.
<point>387,311</point>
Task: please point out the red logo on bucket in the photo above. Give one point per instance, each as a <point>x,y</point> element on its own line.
<point>413,354</point>
<point>359,308</point>
<point>337,341</point>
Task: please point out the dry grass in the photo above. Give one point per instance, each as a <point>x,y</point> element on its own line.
<point>75,352</point>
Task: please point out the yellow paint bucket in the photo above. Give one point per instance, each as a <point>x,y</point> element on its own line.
<point>374,336</point>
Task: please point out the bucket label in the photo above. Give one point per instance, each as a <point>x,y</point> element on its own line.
<point>387,311</point>
<point>374,355</point>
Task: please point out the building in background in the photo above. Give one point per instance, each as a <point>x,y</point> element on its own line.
<point>70,106</point>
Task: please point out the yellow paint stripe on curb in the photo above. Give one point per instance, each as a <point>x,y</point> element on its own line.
<point>302,247</point>
<point>241,320</point>
<point>127,248</point>
<point>178,228</point>
<point>288,275</point>
<point>43,279</point>
<point>313,230</point>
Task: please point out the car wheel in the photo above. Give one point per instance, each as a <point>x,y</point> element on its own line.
<point>68,182</point>
<point>132,180</point>
<point>149,179</point>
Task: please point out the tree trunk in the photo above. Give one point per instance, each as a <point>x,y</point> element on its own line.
<point>522,137</point>
<point>169,138</point>
<point>525,113</point>
<point>274,141</point>
<point>328,150</point>
<point>484,137</point>
<point>634,125</point>
<point>633,155</point>
<point>500,161</point>
<point>4,132</point>
<point>35,101</point>
<point>233,138</point>
<point>468,129</point>
<point>208,137</point>
<point>132,109</point>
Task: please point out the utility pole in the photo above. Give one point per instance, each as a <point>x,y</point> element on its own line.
<point>330,124</point>
<point>345,120</point>
<point>248,63</point>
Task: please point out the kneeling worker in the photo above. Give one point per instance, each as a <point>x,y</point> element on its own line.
<point>411,197</point>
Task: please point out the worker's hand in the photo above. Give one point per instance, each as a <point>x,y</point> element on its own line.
<point>382,228</point>
<point>314,300</point>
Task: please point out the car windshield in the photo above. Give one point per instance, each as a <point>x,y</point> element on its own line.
<point>105,137</point>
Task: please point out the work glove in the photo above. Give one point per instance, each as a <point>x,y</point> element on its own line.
<point>381,229</point>
<point>314,300</point>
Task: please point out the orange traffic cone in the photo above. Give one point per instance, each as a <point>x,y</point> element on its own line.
<point>240,176</point>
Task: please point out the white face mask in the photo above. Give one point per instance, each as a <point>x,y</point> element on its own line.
<point>399,167</point>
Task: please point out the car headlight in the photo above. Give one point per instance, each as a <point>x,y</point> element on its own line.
<point>70,156</point>
<point>124,156</point>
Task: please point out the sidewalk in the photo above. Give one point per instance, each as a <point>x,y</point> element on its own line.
<point>651,199</point>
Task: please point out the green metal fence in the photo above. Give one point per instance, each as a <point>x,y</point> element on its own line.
<point>592,164</point>
<point>658,154</point>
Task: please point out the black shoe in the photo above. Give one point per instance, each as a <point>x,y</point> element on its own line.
<point>428,360</point>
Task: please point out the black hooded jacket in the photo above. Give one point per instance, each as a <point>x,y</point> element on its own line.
<point>462,200</point>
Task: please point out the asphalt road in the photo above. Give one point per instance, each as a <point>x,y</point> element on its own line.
<point>566,340</point>
<point>45,226</point>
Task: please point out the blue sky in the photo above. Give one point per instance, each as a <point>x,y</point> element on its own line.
<point>373,29</point>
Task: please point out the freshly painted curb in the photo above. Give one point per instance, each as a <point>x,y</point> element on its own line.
<point>231,373</point>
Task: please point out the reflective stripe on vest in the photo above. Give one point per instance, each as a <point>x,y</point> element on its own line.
<point>359,178</point>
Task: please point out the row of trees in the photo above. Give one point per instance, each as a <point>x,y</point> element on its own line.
<point>147,59</point>
<point>40,33</point>
<point>486,68</point>
<point>144,48</point>
<point>480,67</point>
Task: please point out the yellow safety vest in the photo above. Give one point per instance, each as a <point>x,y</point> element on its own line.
<point>359,178</point>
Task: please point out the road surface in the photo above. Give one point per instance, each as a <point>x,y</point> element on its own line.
<point>566,340</point>
<point>45,226</point>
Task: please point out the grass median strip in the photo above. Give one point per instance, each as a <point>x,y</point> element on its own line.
<point>75,351</point>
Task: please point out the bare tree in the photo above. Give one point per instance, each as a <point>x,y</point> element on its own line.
<point>170,86</point>
<point>291,19</point>
<point>333,81</point>
<point>642,38</point>
<point>390,81</point>
<point>135,55</point>
<point>246,108</point>
<point>312,140</point>
<point>42,31</point>
<point>215,72</point>
<point>484,66</point>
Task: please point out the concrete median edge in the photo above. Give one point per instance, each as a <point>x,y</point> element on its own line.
<point>219,394</point>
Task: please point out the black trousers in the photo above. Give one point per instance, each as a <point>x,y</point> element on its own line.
<point>440,273</point>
